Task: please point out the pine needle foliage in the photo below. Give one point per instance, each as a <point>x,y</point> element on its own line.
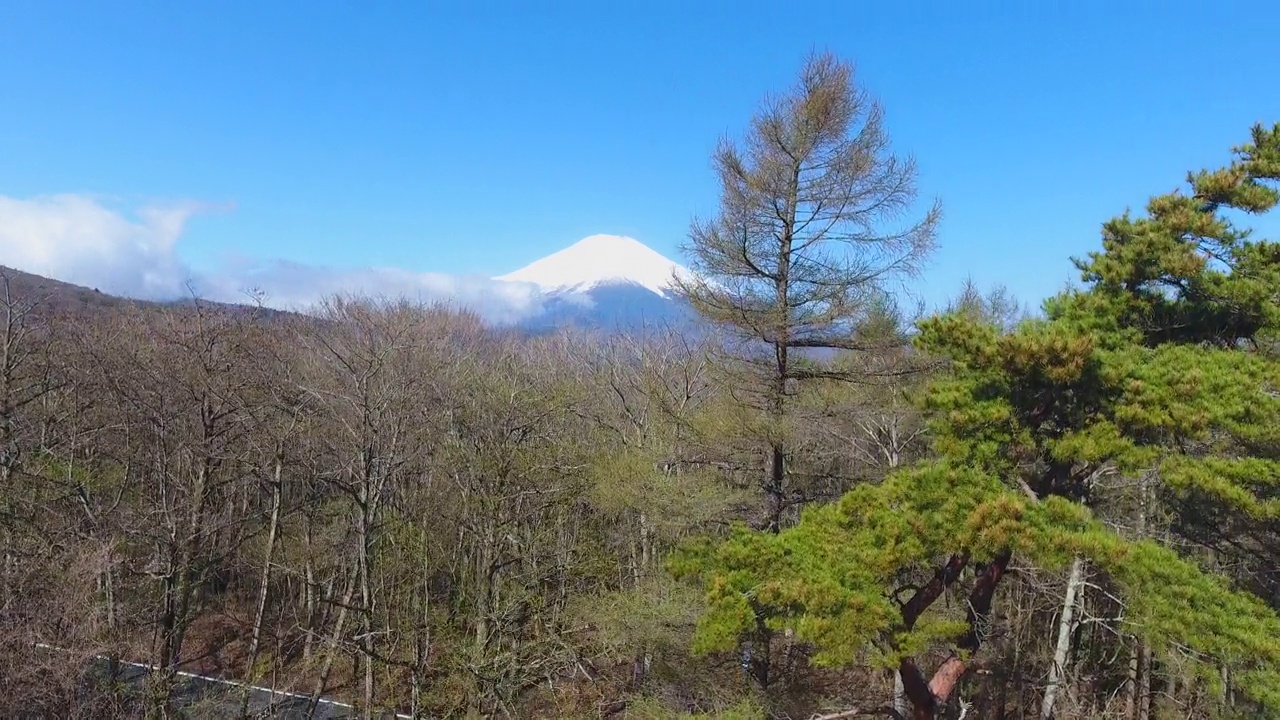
<point>1160,367</point>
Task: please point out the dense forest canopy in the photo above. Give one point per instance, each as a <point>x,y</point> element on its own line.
<point>978,513</point>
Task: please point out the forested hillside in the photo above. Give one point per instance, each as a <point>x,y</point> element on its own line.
<point>978,513</point>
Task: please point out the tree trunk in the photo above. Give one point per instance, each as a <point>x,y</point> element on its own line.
<point>646,545</point>
<point>759,661</point>
<point>1144,684</point>
<point>255,643</point>
<point>309,595</point>
<point>900,704</point>
<point>928,698</point>
<point>366,599</point>
<point>109,592</point>
<point>776,489</point>
<point>322,681</point>
<point>422,638</point>
<point>1066,627</point>
<point>1139,702</point>
<point>183,574</point>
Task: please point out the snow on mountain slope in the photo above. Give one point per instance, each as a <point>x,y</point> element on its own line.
<point>597,261</point>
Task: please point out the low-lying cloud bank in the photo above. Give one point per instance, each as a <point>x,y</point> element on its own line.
<point>78,239</point>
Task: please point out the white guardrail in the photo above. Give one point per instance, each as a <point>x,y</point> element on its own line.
<point>271,693</point>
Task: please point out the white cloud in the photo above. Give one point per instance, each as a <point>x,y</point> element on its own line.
<point>292,285</point>
<point>76,239</point>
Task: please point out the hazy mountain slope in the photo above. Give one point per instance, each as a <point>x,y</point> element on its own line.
<point>602,282</point>
<point>51,298</point>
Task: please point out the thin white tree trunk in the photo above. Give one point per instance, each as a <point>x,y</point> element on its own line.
<point>422,638</point>
<point>900,704</point>
<point>366,597</point>
<point>322,681</point>
<point>1144,684</point>
<point>1066,628</point>
<point>255,644</point>
<point>1142,690</point>
<point>310,618</point>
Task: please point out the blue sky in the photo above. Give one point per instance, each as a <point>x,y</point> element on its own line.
<point>474,137</point>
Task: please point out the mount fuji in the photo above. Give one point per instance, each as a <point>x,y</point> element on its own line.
<point>607,282</point>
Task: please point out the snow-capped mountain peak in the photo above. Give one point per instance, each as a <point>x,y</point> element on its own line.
<point>600,260</point>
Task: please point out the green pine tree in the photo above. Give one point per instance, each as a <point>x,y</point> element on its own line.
<point>1161,367</point>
